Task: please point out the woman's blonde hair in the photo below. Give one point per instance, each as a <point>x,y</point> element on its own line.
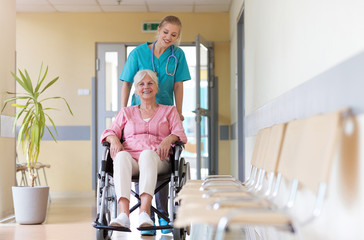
<point>175,21</point>
<point>141,74</point>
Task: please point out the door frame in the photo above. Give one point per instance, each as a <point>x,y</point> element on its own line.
<point>96,104</point>
<point>211,112</point>
<point>241,97</point>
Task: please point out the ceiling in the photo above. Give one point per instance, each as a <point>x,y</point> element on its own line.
<point>123,6</point>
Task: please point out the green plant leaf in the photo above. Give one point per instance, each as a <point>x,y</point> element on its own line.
<point>27,123</point>
<point>56,109</point>
<point>20,134</point>
<point>50,132</point>
<point>28,113</point>
<point>42,122</point>
<point>12,99</point>
<point>25,109</point>
<point>69,108</point>
<point>18,105</point>
<point>22,83</point>
<point>17,115</point>
<point>54,126</point>
<point>44,76</point>
<point>49,84</point>
<point>28,81</point>
<point>40,73</point>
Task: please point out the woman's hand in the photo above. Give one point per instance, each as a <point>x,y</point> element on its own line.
<point>165,146</point>
<point>115,145</point>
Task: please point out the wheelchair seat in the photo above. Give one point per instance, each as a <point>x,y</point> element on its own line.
<point>107,201</point>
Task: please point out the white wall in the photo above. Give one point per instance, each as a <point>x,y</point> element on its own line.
<point>7,144</point>
<point>288,43</point>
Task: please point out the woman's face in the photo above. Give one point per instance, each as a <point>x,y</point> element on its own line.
<point>146,88</point>
<point>168,34</point>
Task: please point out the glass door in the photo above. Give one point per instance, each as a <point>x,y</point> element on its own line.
<point>203,116</point>
<point>109,63</point>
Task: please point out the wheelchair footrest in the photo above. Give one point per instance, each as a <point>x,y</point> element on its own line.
<point>155,228</point>
<point>120,229</point>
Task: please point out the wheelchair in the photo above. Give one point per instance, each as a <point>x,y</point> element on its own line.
<point>107,206</point>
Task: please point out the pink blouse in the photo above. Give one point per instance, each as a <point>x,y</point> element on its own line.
<point>139,135</point>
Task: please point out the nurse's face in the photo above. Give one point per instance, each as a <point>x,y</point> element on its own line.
<point>146,88</point>
<point>168,34</point>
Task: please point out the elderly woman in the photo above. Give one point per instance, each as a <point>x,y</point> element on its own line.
<point>148,131</point>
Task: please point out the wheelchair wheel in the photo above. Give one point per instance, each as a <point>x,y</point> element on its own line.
<point>179,234</point>
<point>102,234</point>
<point>106,209</point>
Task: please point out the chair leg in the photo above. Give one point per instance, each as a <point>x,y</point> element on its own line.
<point>38,177</point>
<point>45,177</point>
<point>24,178</point>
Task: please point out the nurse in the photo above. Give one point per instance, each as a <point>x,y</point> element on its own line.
<point>169,62</point>
<point>165,58</point>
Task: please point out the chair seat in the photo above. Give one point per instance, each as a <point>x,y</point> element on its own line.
<point>248,216</point>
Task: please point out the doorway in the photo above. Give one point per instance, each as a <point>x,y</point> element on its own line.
<point>197,108</point>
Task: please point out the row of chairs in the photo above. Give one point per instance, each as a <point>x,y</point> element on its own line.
<point>290,169</point>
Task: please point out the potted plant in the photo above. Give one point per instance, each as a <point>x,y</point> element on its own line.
<point>33,117</point>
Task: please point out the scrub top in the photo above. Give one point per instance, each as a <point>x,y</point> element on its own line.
<point>141,58</point>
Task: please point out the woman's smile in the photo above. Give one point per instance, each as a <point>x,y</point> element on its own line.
<point>147,87</point>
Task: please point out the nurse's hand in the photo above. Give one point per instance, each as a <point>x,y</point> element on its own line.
<point>181,117</point>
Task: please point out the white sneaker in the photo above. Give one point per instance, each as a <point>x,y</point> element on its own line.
<point>144,220</point>
<point>121,221</point>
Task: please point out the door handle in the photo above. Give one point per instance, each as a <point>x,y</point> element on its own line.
<point>202,112</point>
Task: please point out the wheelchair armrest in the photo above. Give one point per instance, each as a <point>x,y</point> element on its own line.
<point>106,144</point>
<point>177,149</point>
<point>179,144</point>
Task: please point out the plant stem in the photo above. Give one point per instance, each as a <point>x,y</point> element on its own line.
<point>32,176</point>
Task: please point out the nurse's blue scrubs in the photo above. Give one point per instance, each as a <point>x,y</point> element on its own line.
<point>141,58</point>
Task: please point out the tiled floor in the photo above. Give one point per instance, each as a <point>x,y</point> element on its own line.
<point>69,219</point>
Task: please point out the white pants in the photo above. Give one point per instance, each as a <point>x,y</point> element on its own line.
<point>148,168</point>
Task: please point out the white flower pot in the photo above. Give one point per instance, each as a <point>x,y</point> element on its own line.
<point>30,204</point>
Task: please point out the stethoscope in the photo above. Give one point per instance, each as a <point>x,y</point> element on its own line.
<point>170,56</point>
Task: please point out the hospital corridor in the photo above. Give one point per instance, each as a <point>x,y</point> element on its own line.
<point>183,120</point>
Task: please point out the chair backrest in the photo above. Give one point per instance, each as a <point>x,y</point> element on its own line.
<point>272,155</point>
<point>260,148</point>
<point>317,148</point>
<point>308,149</point>
<point>292,139</point>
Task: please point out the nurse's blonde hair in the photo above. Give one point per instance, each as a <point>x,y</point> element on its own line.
<point>142,73</point>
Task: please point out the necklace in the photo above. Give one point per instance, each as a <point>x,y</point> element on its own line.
<point>147,113</point>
